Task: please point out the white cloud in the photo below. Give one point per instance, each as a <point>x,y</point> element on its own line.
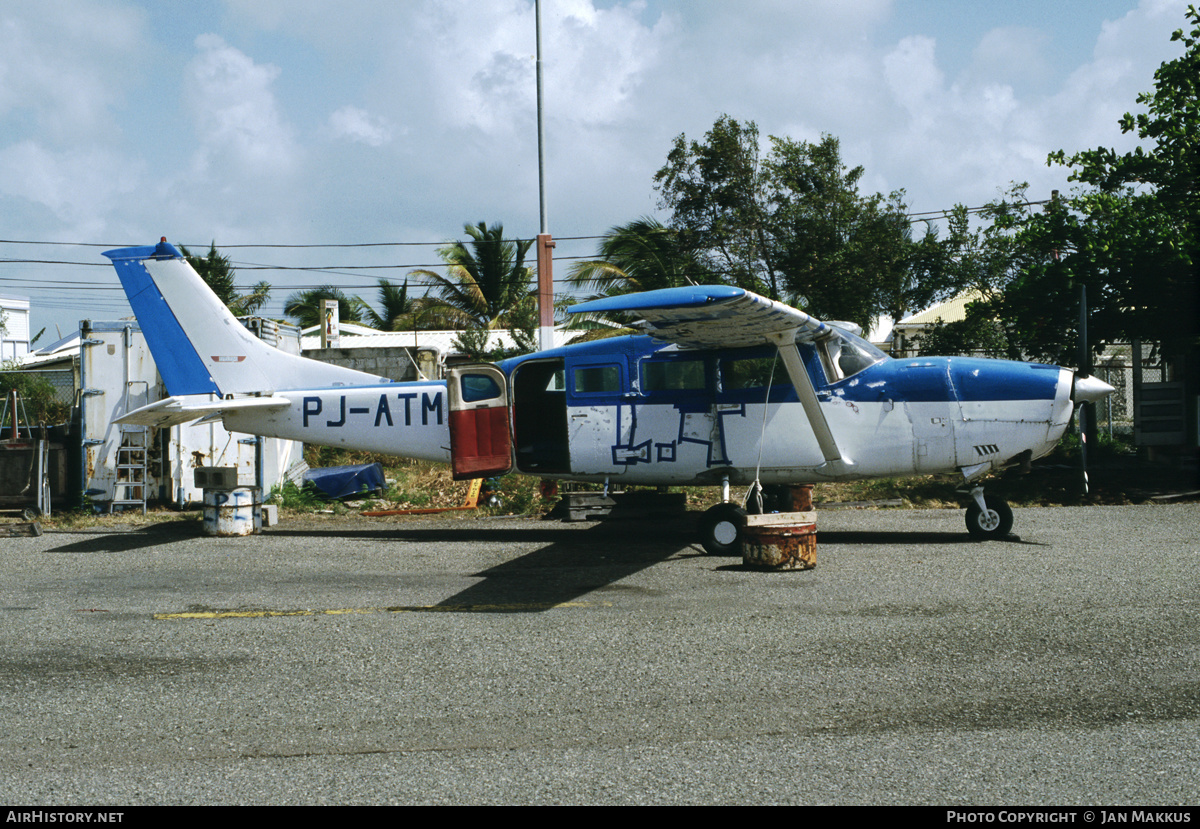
<point>364,120</point>
<point>355,124</point>
<point>913,76</point>
<point>1098,93</point>
<point>81,187</point>
<point>480,61</point>
<point>237,118</point>
<point>1012,55</point>
<point>67,64</point>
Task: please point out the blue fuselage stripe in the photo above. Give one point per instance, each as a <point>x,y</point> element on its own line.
<point>919,380</point>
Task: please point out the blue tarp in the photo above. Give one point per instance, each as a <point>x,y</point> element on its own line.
<point>344,481</point>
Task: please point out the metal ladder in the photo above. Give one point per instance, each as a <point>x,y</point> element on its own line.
<point>129,490</point>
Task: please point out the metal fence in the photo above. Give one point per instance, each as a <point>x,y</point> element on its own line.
<point>62,381</point>
<point>1114,416</point>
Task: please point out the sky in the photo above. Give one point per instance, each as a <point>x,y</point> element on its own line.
<point>264,124</point>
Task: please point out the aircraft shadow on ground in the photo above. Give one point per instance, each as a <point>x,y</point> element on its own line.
<point>572,564</point>
<point>892,538</point>
<point>123,541</point>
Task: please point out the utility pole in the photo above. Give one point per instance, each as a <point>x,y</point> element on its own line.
<point>1087,411</point>
<point>545,245</point>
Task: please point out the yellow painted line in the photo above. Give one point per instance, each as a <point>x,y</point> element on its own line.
<point>461,608</point>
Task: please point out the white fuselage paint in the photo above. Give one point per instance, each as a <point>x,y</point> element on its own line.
<point>658,444</point>
<point>406,419</point>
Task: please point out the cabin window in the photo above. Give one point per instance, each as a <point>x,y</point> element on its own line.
<point>476,387</point>
<point>673,375</point>
<point>753,373</point>
<point>597,379</point>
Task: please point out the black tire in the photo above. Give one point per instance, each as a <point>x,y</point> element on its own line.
<point>995,523</point>
<point>721,529</point>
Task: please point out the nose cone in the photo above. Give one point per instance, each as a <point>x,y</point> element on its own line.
<point>1091,390</point>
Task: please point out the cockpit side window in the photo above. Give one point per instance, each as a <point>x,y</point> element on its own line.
<point>843,355</point>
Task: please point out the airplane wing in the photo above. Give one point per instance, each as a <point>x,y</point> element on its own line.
<point>722,316</point>
<point>175,410</point>
<point>710,316</point>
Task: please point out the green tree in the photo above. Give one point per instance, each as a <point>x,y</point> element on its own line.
<point>793,225</point>
<point>1129,235</point>
<point>842,255</point>
<point>718,195</point>
<point>40,402</point>
<point>487,286</point>
<point>989,258</point>
<point>1133,234</point>
<point>643,255</point>
<point>217,272</point>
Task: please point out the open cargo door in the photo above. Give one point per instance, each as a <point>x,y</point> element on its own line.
<point>480,436</point>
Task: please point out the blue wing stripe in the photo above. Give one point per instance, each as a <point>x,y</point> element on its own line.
<point>690,297</point>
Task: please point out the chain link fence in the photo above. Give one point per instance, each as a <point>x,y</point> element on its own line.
<point>46,395</point>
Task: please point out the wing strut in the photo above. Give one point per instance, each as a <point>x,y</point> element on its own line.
<point>785,341</point>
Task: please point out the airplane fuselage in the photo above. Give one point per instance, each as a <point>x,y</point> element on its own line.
<point>636,410</point>
<point>727,387</point>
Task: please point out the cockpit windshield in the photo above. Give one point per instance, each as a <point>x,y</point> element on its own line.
<point>844,354</point>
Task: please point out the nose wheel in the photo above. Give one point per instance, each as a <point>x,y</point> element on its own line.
<point>988,516</point>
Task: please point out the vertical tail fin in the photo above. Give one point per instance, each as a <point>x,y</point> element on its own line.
<point>198,345</point>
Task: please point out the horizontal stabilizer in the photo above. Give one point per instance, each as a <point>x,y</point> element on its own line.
<point>176,410</point>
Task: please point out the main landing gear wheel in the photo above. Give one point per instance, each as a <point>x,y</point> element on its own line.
<point>721,529</point>
<point>991,523</point>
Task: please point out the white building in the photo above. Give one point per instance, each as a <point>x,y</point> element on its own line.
<point>14,331</point>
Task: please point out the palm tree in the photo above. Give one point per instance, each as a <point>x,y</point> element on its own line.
<point>305,306</point>
<point>643,255</point>
<point>486,278</point>
<point>487,286</point>
<point>397,309</point>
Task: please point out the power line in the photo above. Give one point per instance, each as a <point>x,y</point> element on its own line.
<point>350,271</point>
<point>917,216</point>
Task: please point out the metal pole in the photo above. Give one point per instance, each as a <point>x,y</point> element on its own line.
<point>1084,370</point>
<point>545,265</point>
<point>545,225</point>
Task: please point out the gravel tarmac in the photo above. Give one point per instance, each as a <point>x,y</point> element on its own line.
<point>518,661</point>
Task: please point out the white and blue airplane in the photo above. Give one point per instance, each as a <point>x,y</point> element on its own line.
<point>725,388</point>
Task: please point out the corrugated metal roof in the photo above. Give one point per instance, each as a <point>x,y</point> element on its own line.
<point>952,310</point>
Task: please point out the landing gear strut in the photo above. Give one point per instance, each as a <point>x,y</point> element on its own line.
<point>988,516</point>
